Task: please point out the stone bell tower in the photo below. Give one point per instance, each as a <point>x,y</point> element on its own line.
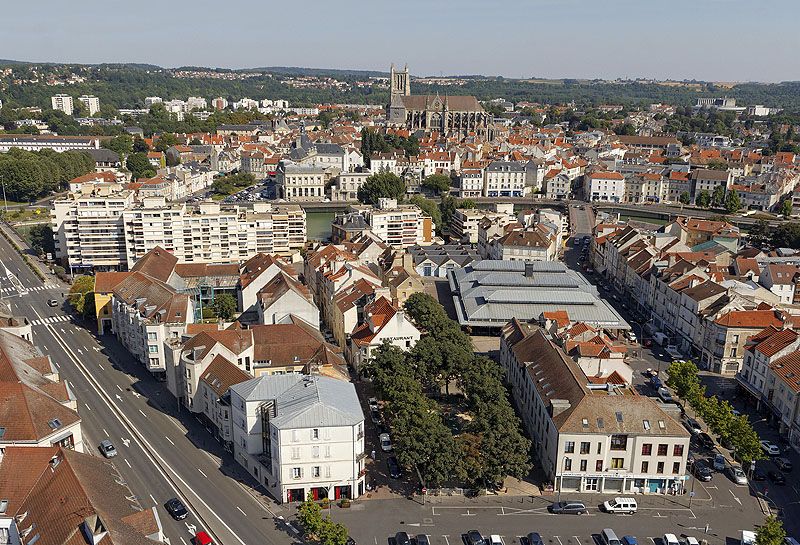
<point>399,82</point>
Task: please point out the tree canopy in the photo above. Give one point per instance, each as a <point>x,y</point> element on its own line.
<point>30,175</point>
<point>438,183</point>
<point>381,185</point>
<point>81,296</point>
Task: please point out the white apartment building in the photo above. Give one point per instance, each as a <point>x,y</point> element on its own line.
<point>62,103</point>
<point>88,229</point>
<point>604,186</point>
<point>91,103</point>
<point>302,437</point>
<point>301,183</point>
<point>399,226</point>
<point>195,103</point>
<point>149,101</point>
<point>465,222</point>
<point>211,233</point>
<point>591,437</point>
<point>470,183</point>
<point>36,142</point>
<point>510,179</point>
<point>346,185</point>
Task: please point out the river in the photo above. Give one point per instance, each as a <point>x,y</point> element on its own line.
<point>318,225</point>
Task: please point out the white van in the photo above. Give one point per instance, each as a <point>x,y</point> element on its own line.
<point>620,505</point>
<point>608,537</point>
<point>670,539</point>
<point>660,338</point>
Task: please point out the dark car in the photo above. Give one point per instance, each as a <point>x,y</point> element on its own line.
<point>535,539</point>
<point>783,464</point>
<point>759,475</point>
<point>176,509</point>
<point>394,468</point>
<point>474,537</point>
<point>776,477</point>
<point>568,508</point>
<point>401,538</point>
<point>629,540</point>
<point>706,440</point>
<point>702,471</point>
<point>656,383</point>
<point>421,539</point>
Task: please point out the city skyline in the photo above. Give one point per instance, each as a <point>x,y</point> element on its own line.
<point>618,39</point>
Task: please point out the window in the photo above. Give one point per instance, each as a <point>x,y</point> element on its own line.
<point>315,452</point>
<point>151,336</point>
<point>315,434</point>
<point>677,450</point>
<point>662,449</point>
<point>297,473</point>
<point>647,449</point>
<point>645,466</point>
<point>295,453</point>
<point>660,467</point>
<point>598,466</point>
<point>315,471</point>
<point>585,447</point>
<point>152,348</point>
<point>583,465</point>
<point>676,467</point>
<point>569,447</point>
<point>617,463</point>
<point>619,442</point>
<point>599,447</point>
<point>567,464</point>
<point>733,352</point>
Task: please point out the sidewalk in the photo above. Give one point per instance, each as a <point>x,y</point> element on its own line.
<point>20,243</point>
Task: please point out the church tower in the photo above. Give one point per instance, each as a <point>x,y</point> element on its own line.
<point>399,82</point>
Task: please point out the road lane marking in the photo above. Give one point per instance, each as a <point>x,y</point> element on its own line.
<point>56,364</point>
<point>239,508</point>
<point>87,406</point>
<point>446,539</point>
<point>557,539</point>
<point>152,454</point>
<point>201,471</point>
<point>127,462</point>
<point>183,540</point>
<point>118,388</point>
<point>101,366</point>
<point>141,411</point>
<point>735,498</point>
<point>104,431</point>
<point>154,500</point>
<point>170,440</point>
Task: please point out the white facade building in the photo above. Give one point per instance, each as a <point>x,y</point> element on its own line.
<point>63,103</point>
<point>91,103</point>
<point>302,437</point>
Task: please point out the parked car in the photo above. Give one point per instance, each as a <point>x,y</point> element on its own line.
<point>656,383</point>
<point>665,396</point>
<point>402,538</point>
<point>689,540</point>
<point>770,448</point>
<point>719,462</point>
<point>706,440</point>
<point>535,539</point>
<point>630,540</point>
<point>474,537</point>
<point>670,539</point>
<point>52,302</point>
<point>107,448</point>
<point>701,471</point>
<point>375,416</point>
<point>693,426</point>
<point>386,442</point>
<point>783,464</point>
<point>758,475</point>
<point>176,509</point>
<point>394,468</point>
<point>373,404</point>
<point>620,505</point>
<point>495,539</point>
<point>737,475</point>
<point>776,477</point>
<point>568,508</point>
<point>421,539</point>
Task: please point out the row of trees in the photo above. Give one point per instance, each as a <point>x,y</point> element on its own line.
<point>30,175</point>
<point>489,446</point>
<point>231,183</point>
<point>718,414</point>
<point>374,141</point>
<point>784,235</point>
<point>721,198</point>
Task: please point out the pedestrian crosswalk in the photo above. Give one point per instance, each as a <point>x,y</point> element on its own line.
<point>10,289</point>
<point>51,320</point>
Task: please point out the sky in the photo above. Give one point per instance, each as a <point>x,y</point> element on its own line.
<point>711,40</point>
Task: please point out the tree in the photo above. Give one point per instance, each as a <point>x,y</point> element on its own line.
<point>309,515</point>
<point>683,379</point>
<point>332,533</point>
<point>718,197</point>
<point>139,145</point>
<point>122,145</point>
<point>165,141</point>
<point>139,166</point>
<point>379,185</point>
<point>468,204</point>
<point>760,233</point>
<point>81,296</point>
<point>685,198</point>
<point>225,306</point>
<point>744,439</point>
<point>430,208</point>
<point>438,183</point>
<point>703,199</point>
<point>732,202</point>
<point>771,532</point>
<point>41,240</point>
<point>786,208</point>
<point>326,117</point>
<point>625,129</point>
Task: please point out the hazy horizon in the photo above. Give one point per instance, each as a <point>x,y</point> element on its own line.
<point>704,40</point>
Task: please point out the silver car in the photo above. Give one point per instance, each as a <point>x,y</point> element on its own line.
<point>107,448</point>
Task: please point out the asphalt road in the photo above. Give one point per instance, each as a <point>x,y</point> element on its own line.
<point>163,453</point>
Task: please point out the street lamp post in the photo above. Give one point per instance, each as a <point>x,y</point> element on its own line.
<point>5,201</point>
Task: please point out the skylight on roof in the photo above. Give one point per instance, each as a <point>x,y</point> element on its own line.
<point>2,432</point>
<point>646,424</point>
<point>585,422</point>
<point>54,423</point>
<point>600,423</point>
<point>619,416</point>
<point>662,425</point>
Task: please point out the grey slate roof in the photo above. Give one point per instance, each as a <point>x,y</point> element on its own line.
<point>492,292</point>
<point>442,253</point>
<point>305,401</point>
